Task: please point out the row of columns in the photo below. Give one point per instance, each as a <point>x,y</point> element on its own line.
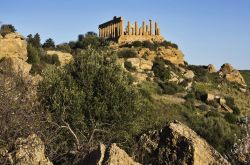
<point>115,29</point>
<point>112,30</point>
<point>144,30</point>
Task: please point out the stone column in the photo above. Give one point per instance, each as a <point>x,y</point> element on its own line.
<point>140,31</point>
<point>129,28</point>
<point>150,27</point>
<point>122,27</point>
<point>156,28</point>
<point>113,31</point>
<point>159,31</point>
<point>136,28</point>
<point>143,28</point>
<point>133,31</point>
<point>146,30</point>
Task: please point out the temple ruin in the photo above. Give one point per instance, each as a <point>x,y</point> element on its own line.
<point>114,30</point>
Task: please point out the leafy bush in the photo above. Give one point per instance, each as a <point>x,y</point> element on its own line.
<point>6,29</point>
<point>216,130</point>
<point>51,59</point>
<point>49,44</point>
<point>231,118</point>
<point>201,95</point>
<point>169,44</point>
<point>64,48</point>
<point>137,44</point>
<point>150,45</point>
<point>160,70</point>
<point>129,67</point>
<point>94,97</point>
<point>201,74</point>
<point>33,54</point>
<point>230,102</point>
<point>127,53</point>
<point>170,88</point>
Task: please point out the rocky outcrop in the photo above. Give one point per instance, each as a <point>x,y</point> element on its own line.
<point>211,68</point>
<point>232,75</point>
<point>189,74</point>
<point>64,58</point>
<point>27,151</point>
<point>30,150</point>
<point>13,45</point>
<point>173,55</point>
<point>177,144</point>
<point>112,155</point>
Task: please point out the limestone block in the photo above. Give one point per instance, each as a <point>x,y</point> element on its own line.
<point>13,45</point>
<point>189,74</point>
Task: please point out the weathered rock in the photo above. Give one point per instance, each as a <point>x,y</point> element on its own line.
<point>112,155</point>
<point>231,74</point>
<point>173,55</point>
<point>189,74</point>
<point>226,68</point>
<point>16,66</point>
<point>211,68</point>
<point>140,64</point>
<point>146,64</point>
<point>30,151</point>
<point>135,62</point>
<point>64,58</point>
<point>13,45</point>
<point>210,97</point>
<point>177,144</point>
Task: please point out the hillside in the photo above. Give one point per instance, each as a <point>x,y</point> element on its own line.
<point>94,100</point>
<point>246,75</point>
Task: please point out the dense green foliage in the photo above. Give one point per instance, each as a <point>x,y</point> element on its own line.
<point>160,70</point>
<point>6,29</point>
<point>246,75</point>
<point>127,53</point>
<point>95,97</point>
<point>49,44</point>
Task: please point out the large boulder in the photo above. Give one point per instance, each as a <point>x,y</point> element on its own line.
<point>177,144</point>
<point>232,75</point>
<point>13,45</point>
<point>64,58</point>
<point>27,151</point>
<point>112,155</point>
<point>211,68</point>
<point>173,55</point>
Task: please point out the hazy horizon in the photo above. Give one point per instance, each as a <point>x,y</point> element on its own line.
<point>207,32</point>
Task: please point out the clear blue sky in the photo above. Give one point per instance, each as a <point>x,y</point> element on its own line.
<point>211,31</point>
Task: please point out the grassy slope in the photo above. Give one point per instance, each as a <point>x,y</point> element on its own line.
<point>246,75</point>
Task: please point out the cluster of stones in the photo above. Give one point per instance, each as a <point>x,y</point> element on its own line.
<point>114,29</point>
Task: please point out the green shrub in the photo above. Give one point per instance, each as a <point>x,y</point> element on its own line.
<point>217,131</point>
<point>231,118</point>
<point>201,95</point>
<point>129,67</point>
<point>137,44</point>
<point>150,45</point>
<point>33,54</point>
<point>230,102</point>
<point>127,53</point>
<point>170,88</point>
<point>169,44</point>
<point>160,70</point>
<point>213,114</point>
<point>51,59</point>
<point>201,74</point>
<point>91,94</point>
<point>6,29</point>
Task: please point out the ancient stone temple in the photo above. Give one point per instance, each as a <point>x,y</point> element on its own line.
<point>114,30</point>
